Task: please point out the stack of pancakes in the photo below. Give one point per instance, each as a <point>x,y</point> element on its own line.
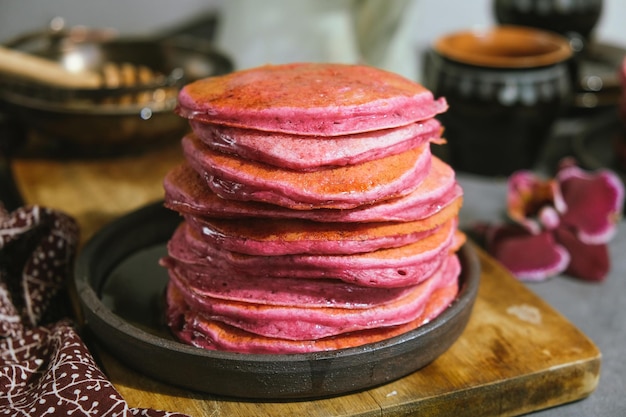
<point>315,216</point>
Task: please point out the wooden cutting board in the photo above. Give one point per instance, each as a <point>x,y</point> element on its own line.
<point>516,355</point>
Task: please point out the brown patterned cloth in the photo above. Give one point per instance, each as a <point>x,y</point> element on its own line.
<point>45,368</point>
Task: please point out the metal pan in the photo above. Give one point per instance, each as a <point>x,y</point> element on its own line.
<point>115,116</point>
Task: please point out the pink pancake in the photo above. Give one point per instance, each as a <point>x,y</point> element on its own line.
<point>308,153</point>
<point>347,187</point>
<point>279,291</point>
<point>307,323</point>
<point>385,268</point>
<point>292,236</point>
<point>187,193</point>
<point>322,99</point>
<point>198,330</point>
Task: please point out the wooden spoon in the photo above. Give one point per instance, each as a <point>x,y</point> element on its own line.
<point>34,68</point>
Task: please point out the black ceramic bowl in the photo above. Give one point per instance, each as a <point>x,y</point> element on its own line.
<point>574,19</point>
<point>121,287</point>
<point>505,87</point>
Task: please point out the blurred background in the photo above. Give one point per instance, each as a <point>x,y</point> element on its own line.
<point>165,44</point>
<point>389,34</point>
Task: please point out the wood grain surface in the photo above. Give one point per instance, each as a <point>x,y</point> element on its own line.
<point>516,355</point>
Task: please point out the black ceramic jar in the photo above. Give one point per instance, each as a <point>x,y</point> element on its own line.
<point>575,19</point>
<point>505,87</point>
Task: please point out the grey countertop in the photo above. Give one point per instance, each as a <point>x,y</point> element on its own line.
<point>597,309</point>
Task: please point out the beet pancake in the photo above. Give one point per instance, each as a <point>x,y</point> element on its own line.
<point>385,268</point>
<point>347,187</point>
<point>309,99</point>
<point>302,322</point>
<point>186,192</point>
<point>293,236</point>
<point>309,153</point>
<point>279,291</point>
<point>196,329</point>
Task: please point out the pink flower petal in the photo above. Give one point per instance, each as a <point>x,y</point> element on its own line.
<point>530,257</point>
<point>527,195</point>
<point>589,262</point>
<point>549,217</point>
<point>594,202</point>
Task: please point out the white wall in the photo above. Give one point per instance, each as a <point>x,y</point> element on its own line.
<point>134,17</point>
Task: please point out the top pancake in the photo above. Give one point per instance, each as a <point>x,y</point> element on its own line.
<point>320,99</point>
